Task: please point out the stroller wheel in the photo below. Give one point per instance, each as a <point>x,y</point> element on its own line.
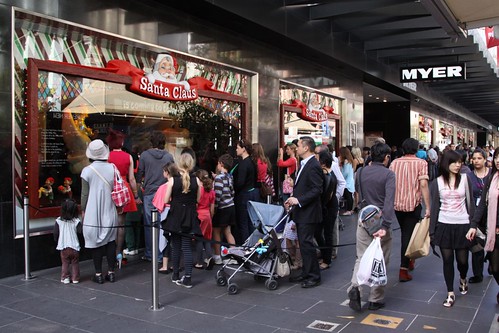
<point>222,281</point>
<point>232,289</point>
<point>271,284</point>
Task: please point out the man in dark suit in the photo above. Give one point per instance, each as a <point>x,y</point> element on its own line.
<point>307,211</point>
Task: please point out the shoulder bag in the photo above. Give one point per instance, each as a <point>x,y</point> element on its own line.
<point>119,191</point>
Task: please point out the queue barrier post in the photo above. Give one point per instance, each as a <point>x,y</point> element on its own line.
<point>27,266</point>
<point>156,306</point>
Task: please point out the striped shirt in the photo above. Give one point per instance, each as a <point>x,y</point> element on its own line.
<point>224,190</point>
<point>409,170</point>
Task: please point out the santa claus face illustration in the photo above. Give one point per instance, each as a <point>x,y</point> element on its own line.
<point>166,68</point>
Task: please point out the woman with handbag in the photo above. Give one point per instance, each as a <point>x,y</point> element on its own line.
<point>124,164</point>
<point>290,164</point>
<point>99,213</point>
<point>478,179</point>
<point>488,207</point>
<point>451,210</point>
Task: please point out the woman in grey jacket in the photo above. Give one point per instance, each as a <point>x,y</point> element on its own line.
<point>451,210</point>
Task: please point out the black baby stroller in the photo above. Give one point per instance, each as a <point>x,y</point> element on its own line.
<point>261,255</point>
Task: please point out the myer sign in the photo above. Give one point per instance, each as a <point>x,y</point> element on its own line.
<point>444,72</point>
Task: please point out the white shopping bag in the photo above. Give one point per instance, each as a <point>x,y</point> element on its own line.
<point>372,269</point>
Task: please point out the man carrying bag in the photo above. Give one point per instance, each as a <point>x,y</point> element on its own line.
<point>376,186</point>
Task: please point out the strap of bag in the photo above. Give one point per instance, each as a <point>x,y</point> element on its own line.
<point>101,177</point>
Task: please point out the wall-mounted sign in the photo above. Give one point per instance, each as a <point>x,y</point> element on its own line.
<point>425,124</point>
<point>444,72</point>
<point>162,82</point>
<point>446,130</point>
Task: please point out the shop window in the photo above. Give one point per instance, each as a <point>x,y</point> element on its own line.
<point>69,107</point>
<point>309,113</point>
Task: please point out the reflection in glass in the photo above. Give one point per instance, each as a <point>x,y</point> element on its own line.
<point>72,111</point>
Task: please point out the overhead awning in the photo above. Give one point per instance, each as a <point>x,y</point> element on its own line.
<point>474,14</point>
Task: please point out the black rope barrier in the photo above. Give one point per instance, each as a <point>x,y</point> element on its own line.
<point>196,237</point>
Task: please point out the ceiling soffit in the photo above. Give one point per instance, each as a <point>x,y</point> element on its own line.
<point>407,33</point>
<point>387,33</point>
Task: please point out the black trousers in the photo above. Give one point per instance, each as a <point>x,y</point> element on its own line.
<point>477,262</point>
<point>407,222</point>
<point>324,231</point>
<point>310,269</point>
<point>109,251</point>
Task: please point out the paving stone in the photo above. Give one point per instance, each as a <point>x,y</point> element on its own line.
<point>130,307</point>
<point>56,310</point>
<point>10,294</point>
<point>37,325</point>
<point>8,316</point>
<point>207,323</point>
<point>122,324</point>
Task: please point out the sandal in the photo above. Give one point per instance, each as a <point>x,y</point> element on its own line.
<point>449,301</point>
<point>463,286</point>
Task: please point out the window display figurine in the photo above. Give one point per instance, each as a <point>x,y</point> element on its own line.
<point>164,70</point>
<point>66,187</point>
<point>46,190</point>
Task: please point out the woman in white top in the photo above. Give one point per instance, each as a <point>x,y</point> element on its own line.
<point>100,217</point>
<point>452,207</point>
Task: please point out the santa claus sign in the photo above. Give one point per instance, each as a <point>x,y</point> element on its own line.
<point>162,82</point>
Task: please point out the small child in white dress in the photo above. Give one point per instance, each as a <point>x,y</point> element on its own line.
<point>66,230</point>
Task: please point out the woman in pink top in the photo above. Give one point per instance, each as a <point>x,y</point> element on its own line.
<point>206,210</point>
<point>291,165</point>
<point>124,164</point>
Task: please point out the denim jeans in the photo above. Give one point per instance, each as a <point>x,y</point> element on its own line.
<point>148,207</point>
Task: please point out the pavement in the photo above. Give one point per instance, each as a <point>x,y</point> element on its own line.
<point>44,304</point>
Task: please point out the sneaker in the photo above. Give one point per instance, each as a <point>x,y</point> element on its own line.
<point>217,260</point>
<point>354,297</point>
<point>76,282</point>
<point>130,252</point>
<point>404,275</point>
<point>65,280</point>
<point>185,282</point>
<point>209,263</point>
<point>175,278</point>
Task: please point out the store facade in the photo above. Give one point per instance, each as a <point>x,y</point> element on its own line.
<point>60,89</point>
<point>72,78</point>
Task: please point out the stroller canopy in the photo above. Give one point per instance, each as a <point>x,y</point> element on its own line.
<point>262,214</point>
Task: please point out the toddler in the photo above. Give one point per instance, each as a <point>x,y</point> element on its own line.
<point>66,230</point>
<point>206,210</point>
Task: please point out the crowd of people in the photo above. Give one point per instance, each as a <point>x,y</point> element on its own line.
<point>457,189</point>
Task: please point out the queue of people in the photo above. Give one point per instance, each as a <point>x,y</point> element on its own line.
<point>209,209</point>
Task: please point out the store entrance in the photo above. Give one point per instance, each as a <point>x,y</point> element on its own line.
<point>386,115</point>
